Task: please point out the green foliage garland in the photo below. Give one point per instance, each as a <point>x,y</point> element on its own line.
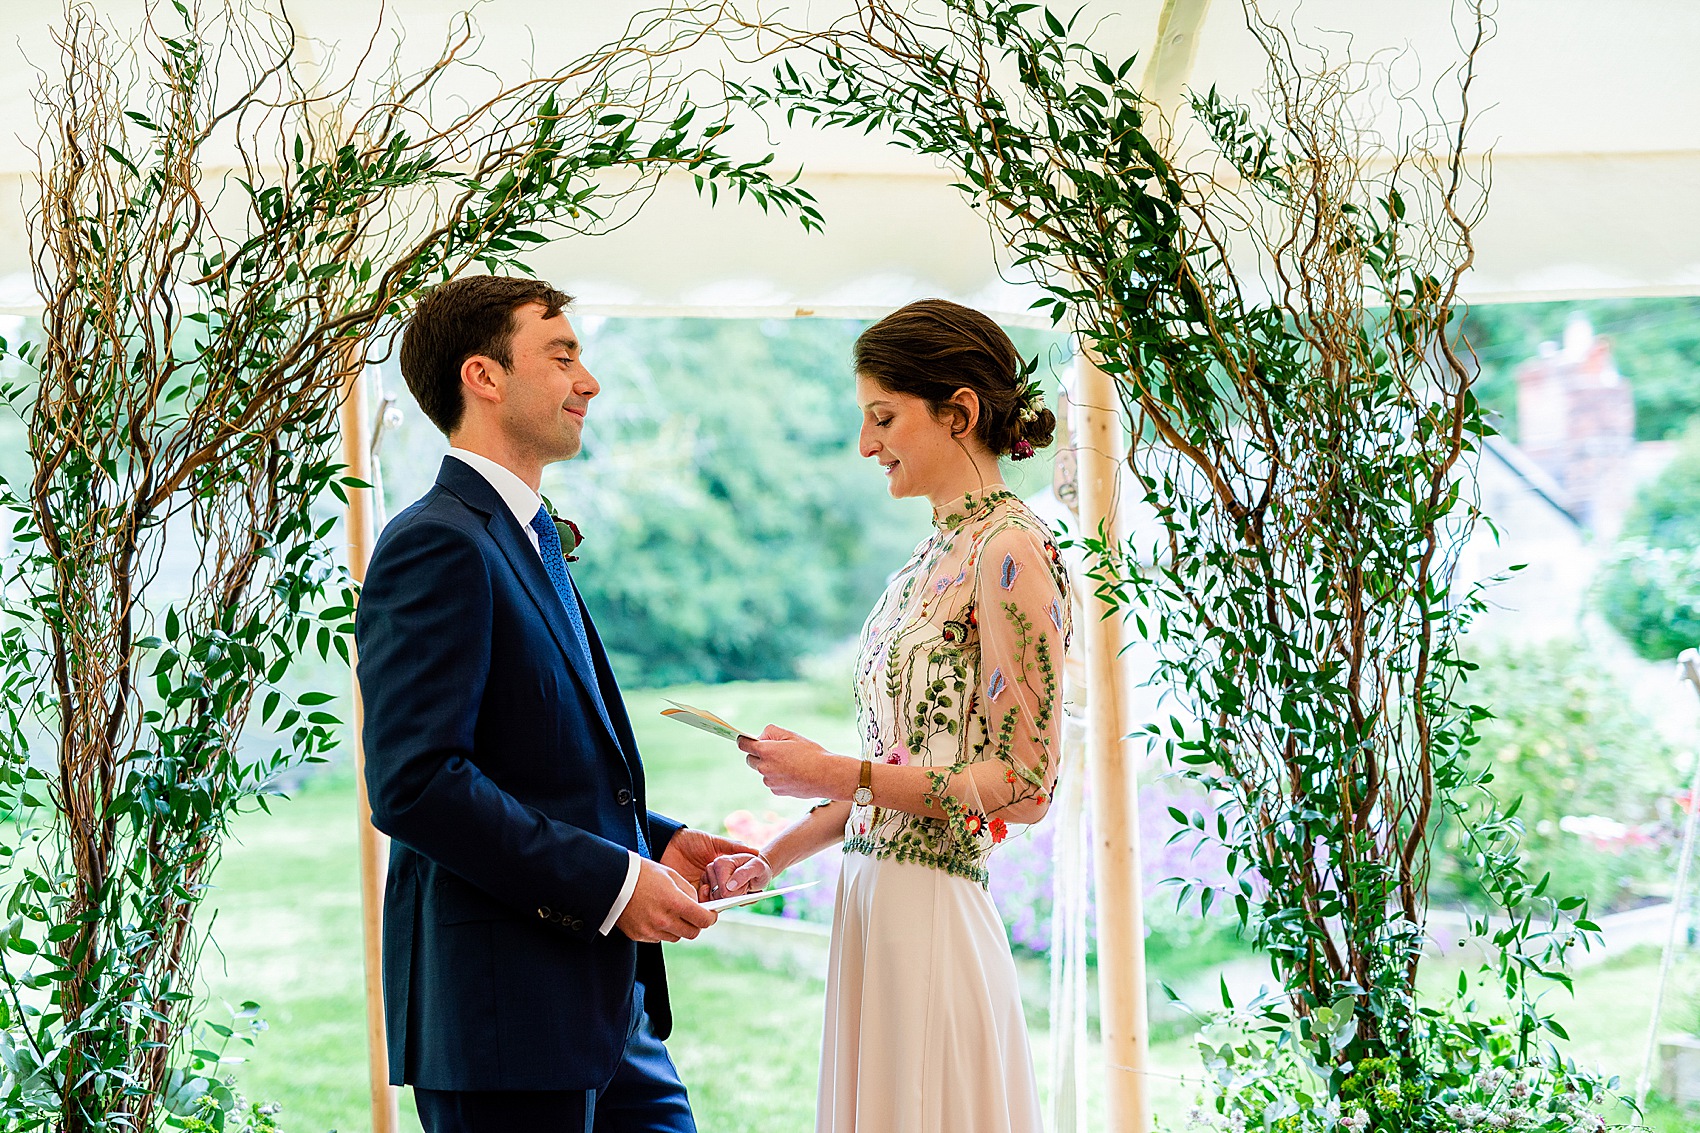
<point>1304,456</point>
<point>198,335</point>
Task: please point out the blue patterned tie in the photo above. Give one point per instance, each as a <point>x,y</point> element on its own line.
<point>555,566</point>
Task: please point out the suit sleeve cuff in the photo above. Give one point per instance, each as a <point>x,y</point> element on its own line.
<point>633,865</point>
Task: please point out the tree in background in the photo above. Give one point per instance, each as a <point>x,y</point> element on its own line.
<point>1649,591</point>
<point>731,527</point>
<point>1564,741</point>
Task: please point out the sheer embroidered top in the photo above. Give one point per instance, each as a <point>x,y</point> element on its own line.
<point>960,663</point>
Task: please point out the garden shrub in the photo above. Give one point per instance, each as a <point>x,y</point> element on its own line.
<point>1649,590</point>
<point>1565,738</point>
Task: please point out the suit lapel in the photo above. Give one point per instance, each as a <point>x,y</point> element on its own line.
<point>476,492</point>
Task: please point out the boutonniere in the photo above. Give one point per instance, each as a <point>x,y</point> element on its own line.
<point>567,531</point>
<point>570,535</point>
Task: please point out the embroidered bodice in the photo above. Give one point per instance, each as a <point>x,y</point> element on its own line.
<point>961,662</point>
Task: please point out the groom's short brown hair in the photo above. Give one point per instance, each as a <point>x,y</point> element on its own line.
<point>456,320</point>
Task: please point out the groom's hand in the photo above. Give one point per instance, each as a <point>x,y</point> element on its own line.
<point>733,874</point>
<point>663,907</point>
<point>689,852</point>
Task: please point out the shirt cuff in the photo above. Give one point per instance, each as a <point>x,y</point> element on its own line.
<point>633,865</point>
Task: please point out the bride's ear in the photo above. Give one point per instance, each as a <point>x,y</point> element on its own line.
<point>967,404</point>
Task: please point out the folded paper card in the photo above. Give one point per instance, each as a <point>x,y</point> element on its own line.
<point>743,899</point>
<point>704,719</point>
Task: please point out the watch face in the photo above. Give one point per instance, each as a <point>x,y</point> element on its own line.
<point>863,796</point>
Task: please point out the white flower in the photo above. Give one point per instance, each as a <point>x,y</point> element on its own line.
<point>1358,1122</point>
<point>1490,1078</point>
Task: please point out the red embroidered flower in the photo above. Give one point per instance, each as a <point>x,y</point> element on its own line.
<point>1012,777</point>
<point>974,822</point>
<point>1043,798</point>
<point>898,757</point>
<point>1000,830</point>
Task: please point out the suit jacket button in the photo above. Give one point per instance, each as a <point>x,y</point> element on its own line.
<point>623,797</point>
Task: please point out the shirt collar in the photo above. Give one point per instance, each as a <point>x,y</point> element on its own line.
<point>516,493</point>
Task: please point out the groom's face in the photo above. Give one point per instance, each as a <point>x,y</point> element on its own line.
<point>546,389</point>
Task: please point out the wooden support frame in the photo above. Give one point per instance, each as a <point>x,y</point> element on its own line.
<point>1118,876</point>
<point>356,454</point>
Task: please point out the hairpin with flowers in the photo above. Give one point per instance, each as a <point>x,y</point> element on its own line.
<point>1031,403</point>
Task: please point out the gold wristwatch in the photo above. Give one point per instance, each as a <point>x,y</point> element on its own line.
<point>864,795</point>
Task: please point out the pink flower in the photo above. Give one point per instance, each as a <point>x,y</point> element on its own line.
<point>753,831</point>
<point>898,756</point>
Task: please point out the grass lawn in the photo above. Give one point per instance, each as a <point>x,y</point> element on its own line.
<point>747,1042</point>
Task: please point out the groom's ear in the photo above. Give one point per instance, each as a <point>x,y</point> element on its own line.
<point>480,377</point>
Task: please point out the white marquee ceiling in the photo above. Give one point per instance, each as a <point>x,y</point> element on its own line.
<point>1593,111</point>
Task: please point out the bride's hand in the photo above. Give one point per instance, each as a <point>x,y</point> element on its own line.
<point>732,874</point>
<point>799,767</point>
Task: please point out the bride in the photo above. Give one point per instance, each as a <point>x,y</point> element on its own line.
<point>958,696</point>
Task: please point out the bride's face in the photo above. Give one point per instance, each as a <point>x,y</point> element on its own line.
<point>917,450</point>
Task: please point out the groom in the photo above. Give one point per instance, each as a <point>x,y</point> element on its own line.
<point>529,886</point>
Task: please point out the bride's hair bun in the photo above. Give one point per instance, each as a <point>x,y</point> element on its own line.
<point>933,347</point>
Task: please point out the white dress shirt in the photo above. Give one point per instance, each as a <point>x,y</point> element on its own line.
<point>524,502</point>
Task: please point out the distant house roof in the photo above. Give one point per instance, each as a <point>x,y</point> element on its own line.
<point>1532,475</point>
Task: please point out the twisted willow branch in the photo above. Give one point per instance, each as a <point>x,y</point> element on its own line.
<point>1279,326</point>
<point>199,331</point>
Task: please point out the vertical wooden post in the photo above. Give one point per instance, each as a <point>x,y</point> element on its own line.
<point>373,845</point>
<point>1114,778</point>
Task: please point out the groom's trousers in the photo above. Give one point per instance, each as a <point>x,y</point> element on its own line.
<point>644,1096</point>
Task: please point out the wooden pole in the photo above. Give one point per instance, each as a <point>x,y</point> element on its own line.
<point>1114,778</point>
<point>373,845</point>
<point>1688,665</point>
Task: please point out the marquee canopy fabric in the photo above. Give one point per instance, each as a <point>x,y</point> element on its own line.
<point>1592,110</point>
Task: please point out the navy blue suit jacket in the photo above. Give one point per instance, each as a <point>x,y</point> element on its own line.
<point>512,803</point>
